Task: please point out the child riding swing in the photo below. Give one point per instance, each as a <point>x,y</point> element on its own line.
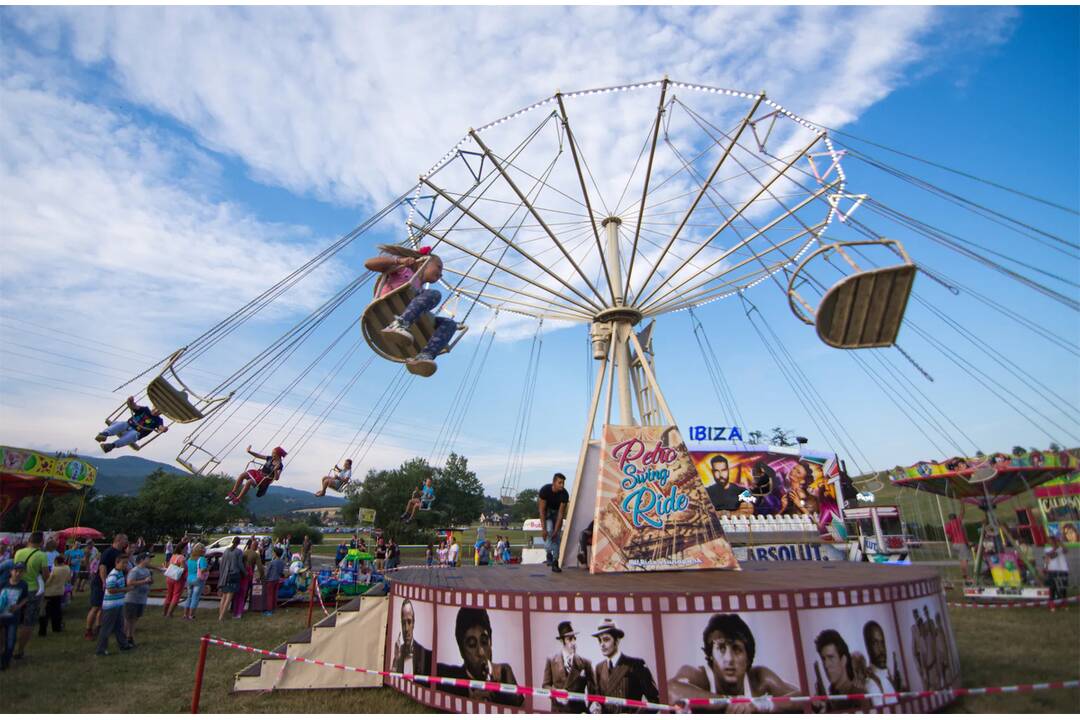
<point>399,266</point>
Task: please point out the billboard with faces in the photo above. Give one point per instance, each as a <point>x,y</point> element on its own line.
<point>568,650</point>
<point>730,654</point>
<point>748,480</point>
<point>652,512</point>
<point>932,659</point>
<point>481,644</point>
<point>852,649</point>
<point>412,636</point>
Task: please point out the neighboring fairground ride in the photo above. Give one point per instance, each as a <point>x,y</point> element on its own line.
<point>1000,571</point>
<point>35,474</point>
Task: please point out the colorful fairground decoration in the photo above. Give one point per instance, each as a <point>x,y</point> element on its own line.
<point>1059,501</point>
<point>770,481</point>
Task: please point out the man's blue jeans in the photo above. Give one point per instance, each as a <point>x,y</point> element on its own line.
<point>424,302</point>
<point>553,541</point>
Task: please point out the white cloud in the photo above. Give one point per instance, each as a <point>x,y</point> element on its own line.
<point>116,225</point>
<point>352,103</point>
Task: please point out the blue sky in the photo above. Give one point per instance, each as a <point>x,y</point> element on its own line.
<point>162,166</point>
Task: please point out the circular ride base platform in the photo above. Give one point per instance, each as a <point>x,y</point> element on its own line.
<point>661,616</point>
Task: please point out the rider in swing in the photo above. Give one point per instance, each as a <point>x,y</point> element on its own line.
<point>399,265</point>
<point>260,478</point>
<point>421,498</point>
<point>338,479</point>
<point>143,421</point>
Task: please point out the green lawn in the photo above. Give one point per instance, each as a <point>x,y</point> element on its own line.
<point>996,647</point>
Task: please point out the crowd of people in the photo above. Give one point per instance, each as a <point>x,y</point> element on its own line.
<point>39,579</point>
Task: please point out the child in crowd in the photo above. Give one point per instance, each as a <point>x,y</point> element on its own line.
<point>13,598</point>
<point>139,580</point>
<point>400,266</point>
<point>75,556</point>
<point>274,572</point>
<point>112,607</point>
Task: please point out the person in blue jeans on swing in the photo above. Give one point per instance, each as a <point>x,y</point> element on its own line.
<point>401,265</point>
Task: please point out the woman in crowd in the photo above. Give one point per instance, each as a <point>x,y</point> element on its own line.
<point>175,570</point>
<point>198,570</point>
<point>253,563</point>
<point>230,572</point>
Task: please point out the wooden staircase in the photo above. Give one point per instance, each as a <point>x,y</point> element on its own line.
<point>354,635</point>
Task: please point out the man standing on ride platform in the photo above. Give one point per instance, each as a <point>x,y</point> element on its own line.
<point>553,500</point>
<point>954,530</point>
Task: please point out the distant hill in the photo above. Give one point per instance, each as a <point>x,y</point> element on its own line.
<point>125,475</point>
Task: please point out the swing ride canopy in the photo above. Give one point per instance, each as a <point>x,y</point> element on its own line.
<point>29,473</point>
<point>1013,474</point>
<point>597,207</point>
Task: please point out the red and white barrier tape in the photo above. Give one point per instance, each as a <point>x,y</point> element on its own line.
<point>1017,603</point>
<point>565,695</point>
<point>318,593</point>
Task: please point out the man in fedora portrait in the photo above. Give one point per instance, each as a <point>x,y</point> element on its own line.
<point>619,675</point>
<point>566,670</point>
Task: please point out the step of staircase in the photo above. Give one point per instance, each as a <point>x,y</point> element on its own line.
<point>328,640</point>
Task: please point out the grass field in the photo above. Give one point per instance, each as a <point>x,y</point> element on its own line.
<point>61,674</point>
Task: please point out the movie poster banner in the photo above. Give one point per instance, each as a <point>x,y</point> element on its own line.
<point>602,654</point>
<point>933,661</point>
<point>652,511</point>
<point>480,644</point>
<point>412,633</point>
<point>713,655</point>
<point>853,650</point>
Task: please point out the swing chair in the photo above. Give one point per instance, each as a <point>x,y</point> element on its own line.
<point>174,404</point>
<point>381,311</point>
<point>864,310</point>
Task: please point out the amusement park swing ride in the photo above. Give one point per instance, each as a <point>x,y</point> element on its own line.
<point>531,221</point>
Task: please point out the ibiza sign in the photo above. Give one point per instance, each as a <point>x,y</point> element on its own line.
<point>652,511</point>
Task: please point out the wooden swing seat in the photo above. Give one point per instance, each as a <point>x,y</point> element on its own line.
<point>172,403</point>
<point>865,310</point>
<point>381,311</point>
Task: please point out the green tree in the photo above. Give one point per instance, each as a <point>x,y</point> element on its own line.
<point>458,491</point>
<point>173,504</point>
<point>755,437</point>
<point>525,506</point>
<point>297,530</point>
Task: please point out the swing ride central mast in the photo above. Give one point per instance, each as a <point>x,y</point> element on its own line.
<point>615,324</point>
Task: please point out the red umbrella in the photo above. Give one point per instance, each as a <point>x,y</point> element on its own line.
<point>80,532</point>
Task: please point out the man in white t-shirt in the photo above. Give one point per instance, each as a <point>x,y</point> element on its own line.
<point>1057,570</point>
<point>337,480</point>
<point>452,557</point>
